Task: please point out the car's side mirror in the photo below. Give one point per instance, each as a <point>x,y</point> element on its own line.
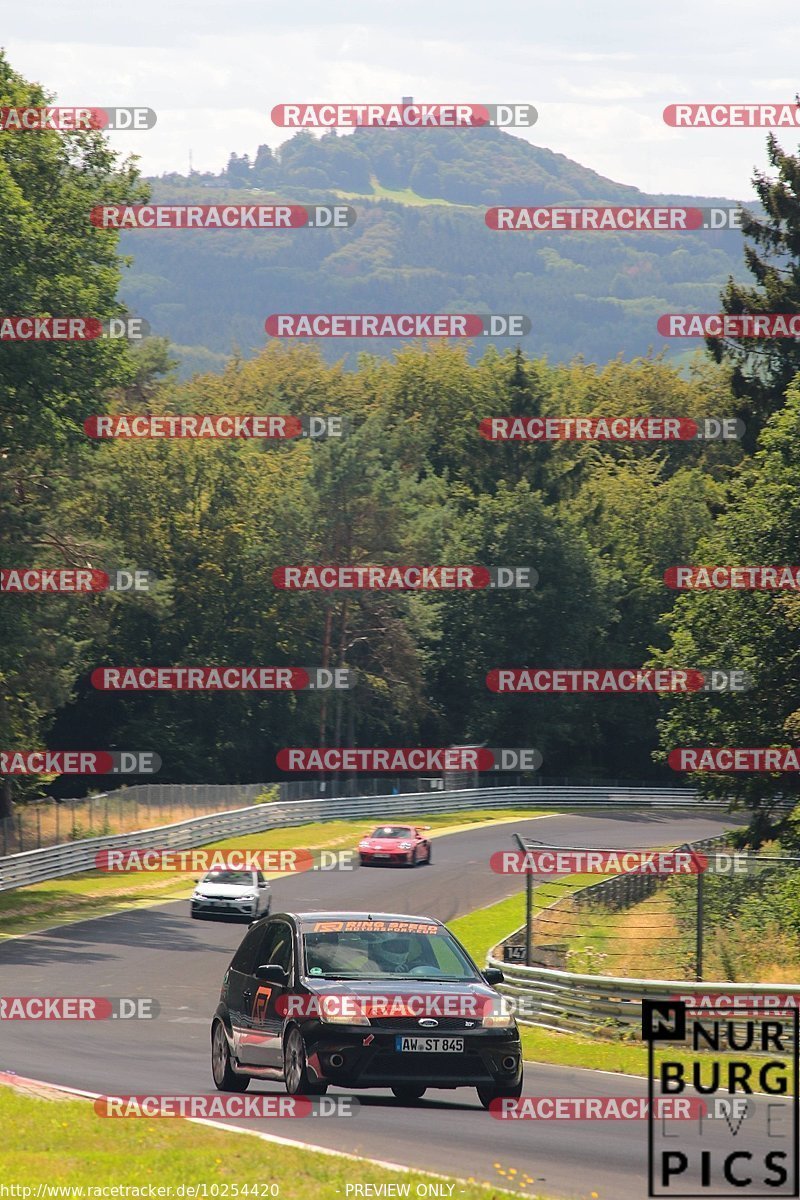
<point>272,973</point>
<point>264,883</point>
<point>493,975</point>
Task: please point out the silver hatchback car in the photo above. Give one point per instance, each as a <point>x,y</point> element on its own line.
<point>242,895</point>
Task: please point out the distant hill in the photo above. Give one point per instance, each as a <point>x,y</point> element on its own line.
<point>420,244</point>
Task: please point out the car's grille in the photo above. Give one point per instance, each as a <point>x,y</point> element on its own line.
<point>409,1023</point>
<point>440,1066</point>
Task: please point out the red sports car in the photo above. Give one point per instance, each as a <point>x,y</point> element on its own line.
<point>401,845</point>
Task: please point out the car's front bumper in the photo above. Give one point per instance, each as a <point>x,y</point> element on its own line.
<point>240,909</point>
<point>370,1058</point>
<point>387,858</point>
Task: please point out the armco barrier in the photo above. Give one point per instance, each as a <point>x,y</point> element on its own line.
<point>599,1005</point>
<point>605,1005</point>
<point>51,862</point>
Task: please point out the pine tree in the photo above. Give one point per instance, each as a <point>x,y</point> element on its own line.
<point>763,368</point>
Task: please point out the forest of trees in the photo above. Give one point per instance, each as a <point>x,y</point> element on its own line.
<point>413,482</point>
<point>591,294</point>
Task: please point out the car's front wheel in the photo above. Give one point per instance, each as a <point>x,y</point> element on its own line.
<point>492,1091</point>
<point>225,1078</point>
<point>295,1067</point>
<point>408,1094</point>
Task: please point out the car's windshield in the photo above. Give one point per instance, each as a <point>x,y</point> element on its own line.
<point>383,949</point>
<point>241,878</point>
<point>391,831</point>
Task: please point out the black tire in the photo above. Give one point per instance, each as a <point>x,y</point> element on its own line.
<point>225,1078</point>
<point>428,859</point>
<point>407,1093</point>
<point>295,1074</point>
<point>489,1091</point>
<point>415,860</point>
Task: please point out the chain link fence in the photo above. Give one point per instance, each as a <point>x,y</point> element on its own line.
<point>734,916</point>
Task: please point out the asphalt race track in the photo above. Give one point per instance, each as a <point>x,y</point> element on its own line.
<point>160,952</point>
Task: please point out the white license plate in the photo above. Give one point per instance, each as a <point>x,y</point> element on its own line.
<point>431,1045</point>
<point>380,855</point>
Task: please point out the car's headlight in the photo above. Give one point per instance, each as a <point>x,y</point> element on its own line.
<point>247,896</point>
<point>499,1016</point>
<point>197,895</point>
<point>337,1010</point>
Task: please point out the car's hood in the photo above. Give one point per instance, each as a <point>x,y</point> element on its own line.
<point>396,987</point>
<point>224,891</point>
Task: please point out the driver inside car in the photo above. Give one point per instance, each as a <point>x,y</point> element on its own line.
<point>396,955</point>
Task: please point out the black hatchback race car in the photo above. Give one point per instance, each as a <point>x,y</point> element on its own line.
<point>362,1000</point>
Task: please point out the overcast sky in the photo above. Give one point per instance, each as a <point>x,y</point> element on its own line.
<point>599,76</point>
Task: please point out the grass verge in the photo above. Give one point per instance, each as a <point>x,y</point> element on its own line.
<point>96,893</point>
<point>63,1143</point>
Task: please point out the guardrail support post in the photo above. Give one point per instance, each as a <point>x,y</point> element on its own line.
<point>528,919</point>
<point>528,907</point>
<point>699,929</point>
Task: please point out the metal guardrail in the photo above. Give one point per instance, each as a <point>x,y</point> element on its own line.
<point>604,1005</point>
<point>52,862</point>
